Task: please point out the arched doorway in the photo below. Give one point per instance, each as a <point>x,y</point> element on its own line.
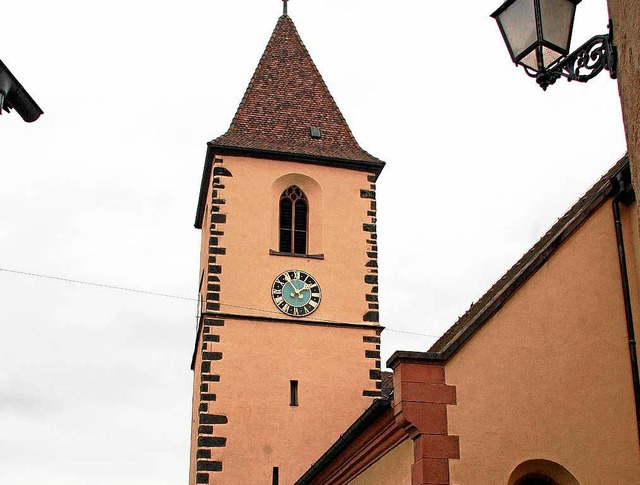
<point>541,472</point>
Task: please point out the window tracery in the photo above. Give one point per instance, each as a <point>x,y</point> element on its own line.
<point>294,215</point>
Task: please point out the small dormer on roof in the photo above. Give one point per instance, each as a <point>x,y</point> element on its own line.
<point>288,113</point>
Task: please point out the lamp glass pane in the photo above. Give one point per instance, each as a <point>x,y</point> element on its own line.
<point>549,56</point>
<point>518,22</point>
<point>557,19</point>
<point>531,60</point>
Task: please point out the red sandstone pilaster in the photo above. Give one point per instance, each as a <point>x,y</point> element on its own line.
<point>421,397</point>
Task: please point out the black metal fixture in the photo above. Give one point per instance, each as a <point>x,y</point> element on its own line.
<point>14,96</point>
<point>623,193</point>
<point>538,35</point>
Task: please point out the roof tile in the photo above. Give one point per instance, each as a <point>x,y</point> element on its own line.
<point>284,100</point>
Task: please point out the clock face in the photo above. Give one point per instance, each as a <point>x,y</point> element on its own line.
<point>296,293</point>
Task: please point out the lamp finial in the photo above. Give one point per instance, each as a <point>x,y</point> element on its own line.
<point>284,7</point>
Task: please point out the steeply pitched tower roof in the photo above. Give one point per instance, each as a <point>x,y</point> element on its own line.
<point>285,99</point>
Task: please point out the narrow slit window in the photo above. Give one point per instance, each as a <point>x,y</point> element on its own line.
<point>294,394</point>
<point>294,215</point>
<point>275,477</point>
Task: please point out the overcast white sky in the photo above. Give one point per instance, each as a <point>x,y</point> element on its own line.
<point>95,385</point>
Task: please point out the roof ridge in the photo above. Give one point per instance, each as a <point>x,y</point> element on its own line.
<point>324,84</point>
<point>252,80</point>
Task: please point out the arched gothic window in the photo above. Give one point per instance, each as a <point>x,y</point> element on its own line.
<point>294,212</point>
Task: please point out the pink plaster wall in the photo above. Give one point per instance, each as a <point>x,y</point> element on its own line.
<point>549,376</point>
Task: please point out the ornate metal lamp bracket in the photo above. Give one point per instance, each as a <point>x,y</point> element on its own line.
<point>584,63</point>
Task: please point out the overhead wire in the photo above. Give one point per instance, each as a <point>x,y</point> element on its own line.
<point>99,285</point>
<point>167,295</point>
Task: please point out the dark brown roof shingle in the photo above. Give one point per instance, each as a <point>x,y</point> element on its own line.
<point>285,98</point>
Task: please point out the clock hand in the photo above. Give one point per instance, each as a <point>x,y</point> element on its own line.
<point>296,291</point>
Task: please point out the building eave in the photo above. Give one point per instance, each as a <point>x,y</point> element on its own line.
<point>204,187</point>
<point>214,149</point>
<point>389,435</point>
<point>500,293</point>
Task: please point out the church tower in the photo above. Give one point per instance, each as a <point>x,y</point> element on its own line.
<point>287,352</point>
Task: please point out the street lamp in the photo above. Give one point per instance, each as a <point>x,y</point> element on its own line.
<point>14,96</point>
<point>538,35</point>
